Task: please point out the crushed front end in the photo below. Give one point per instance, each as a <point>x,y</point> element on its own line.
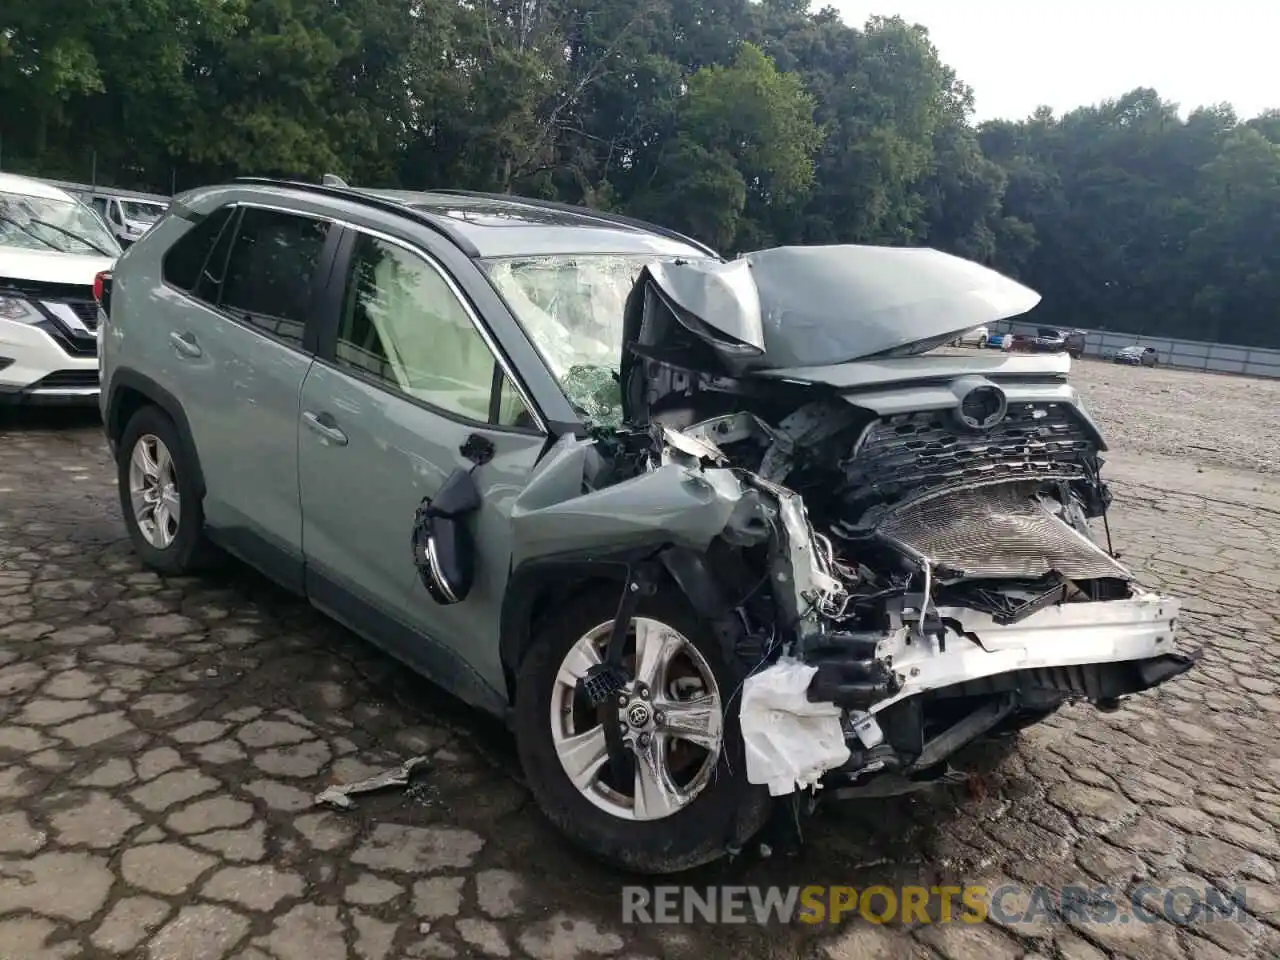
<point>934,585</point>
<point>929,564</point>
<point>888,553</point>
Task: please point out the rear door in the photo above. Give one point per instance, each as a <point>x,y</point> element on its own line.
<point>407,379</point>
<point>240,348</point>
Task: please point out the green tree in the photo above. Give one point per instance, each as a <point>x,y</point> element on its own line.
<point>744,151</point>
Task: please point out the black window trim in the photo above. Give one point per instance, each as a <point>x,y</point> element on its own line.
<point>319,281</point>
<point>503,370</point>
<point>233,213</point>
<point>232,224</point>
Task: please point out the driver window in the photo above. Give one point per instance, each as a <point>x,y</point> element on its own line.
<point>403,326</point>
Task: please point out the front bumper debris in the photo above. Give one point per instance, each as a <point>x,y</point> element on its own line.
<point>889,688</point>
<point>970,645</point>
<point>790,739</point>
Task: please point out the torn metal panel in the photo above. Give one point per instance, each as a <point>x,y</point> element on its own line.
<point>340,795</point>
<point>722,295</point>
<point>559,475</point>
<point>695,448</point>
<point>800,579</point>
<point>686,506</point>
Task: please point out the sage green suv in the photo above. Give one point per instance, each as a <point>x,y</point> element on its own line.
<point>705,532</point>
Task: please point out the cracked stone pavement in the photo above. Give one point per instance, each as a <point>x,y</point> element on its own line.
<point>161,741</point>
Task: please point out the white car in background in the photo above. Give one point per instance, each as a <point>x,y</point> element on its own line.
<point>977,337</point>
<point>52,249</point>
<point>128,217</point>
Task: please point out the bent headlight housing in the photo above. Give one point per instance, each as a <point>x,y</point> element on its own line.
<point>18,310</point>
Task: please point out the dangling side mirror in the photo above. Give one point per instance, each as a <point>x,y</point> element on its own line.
<point>443,546</point>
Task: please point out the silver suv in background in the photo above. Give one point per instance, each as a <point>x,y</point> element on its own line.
<point>709,533</point>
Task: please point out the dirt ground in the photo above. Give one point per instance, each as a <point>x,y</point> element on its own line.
<point>1211,419</point>
<point>161,741</point>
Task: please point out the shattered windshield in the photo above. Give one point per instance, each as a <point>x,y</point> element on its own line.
<point>572,308</point>
<point>44,223</point>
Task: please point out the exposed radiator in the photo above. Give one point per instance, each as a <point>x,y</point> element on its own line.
<point>996,532</point>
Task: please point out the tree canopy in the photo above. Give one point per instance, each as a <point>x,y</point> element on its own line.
<point>747,123</point>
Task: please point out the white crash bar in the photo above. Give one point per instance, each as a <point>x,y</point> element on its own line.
<point>1065,635</point>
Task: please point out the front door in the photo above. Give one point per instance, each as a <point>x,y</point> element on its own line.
<point>402,385</point>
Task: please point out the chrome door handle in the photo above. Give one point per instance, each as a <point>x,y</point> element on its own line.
<point>326,426</point>
<point>185,344</point>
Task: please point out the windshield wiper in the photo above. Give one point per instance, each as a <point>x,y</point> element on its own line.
<point>30,233</point>
<point>73,235</point>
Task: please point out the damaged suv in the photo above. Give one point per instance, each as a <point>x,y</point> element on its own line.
<point>712,535</point>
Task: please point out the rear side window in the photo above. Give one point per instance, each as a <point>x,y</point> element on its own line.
<point>209,284</point>
<point>271,272</point>
<point>183,261</point>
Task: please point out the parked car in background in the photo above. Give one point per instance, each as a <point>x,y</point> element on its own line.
<point>128,214</point>
<point>1137,356</point>
<point>52,247</point>
<point>1000,341</point>
<point>1073,343</point>
<point>548,457</point>
<point>1048,340</point>
<point>977,337</point>
<point>1051,340</point>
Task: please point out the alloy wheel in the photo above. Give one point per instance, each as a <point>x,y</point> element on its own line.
<point>668,719</point>
<point>153,491</point>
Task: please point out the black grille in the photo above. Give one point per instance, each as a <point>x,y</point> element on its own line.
<point>909,456</point>
<point>86,310</point>
<point>74,296</point>
<point>67,380</point>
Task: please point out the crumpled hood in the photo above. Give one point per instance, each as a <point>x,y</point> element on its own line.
<point>822,305</point>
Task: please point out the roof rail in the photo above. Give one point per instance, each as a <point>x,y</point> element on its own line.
<point>439,224</point>
<point>618,218</point>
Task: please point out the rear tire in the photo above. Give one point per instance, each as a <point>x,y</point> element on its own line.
<point>163,513</point>
<point>727,811</point>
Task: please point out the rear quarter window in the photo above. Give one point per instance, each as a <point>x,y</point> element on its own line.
<point>183,262</point>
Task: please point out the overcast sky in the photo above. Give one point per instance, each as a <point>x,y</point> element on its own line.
<point>1067,53</point>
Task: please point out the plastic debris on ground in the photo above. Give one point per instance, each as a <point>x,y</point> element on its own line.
<point>790,742</point>
<point>339,795</point>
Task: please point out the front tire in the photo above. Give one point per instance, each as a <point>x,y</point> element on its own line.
<point>699,802</point>
<point>158,497</point>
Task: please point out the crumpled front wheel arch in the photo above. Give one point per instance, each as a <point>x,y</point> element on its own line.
<point>539,588</point>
